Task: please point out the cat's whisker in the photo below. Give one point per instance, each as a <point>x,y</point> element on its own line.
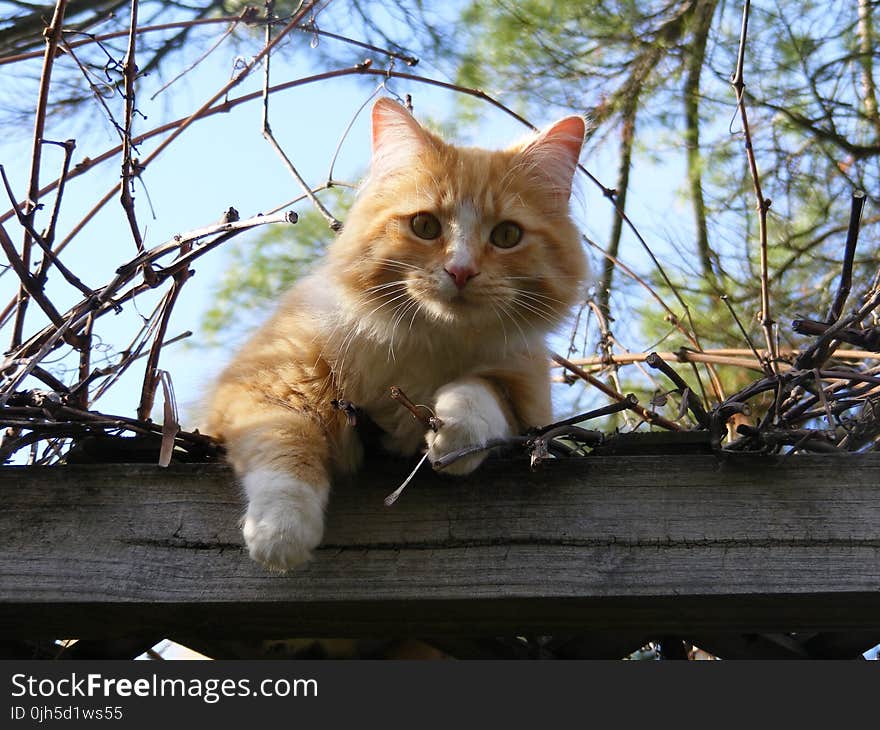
<point>395,318</point>
<point>543,314</point>
<point>513,315</point>
<point>532,278</point>
<point>550,322</point>
<point>342,355</point>
<point>544,304</point>
<point>324,352</point>
<point>392,265</point>
<point>401,312</point>
<point>530,301</point>
<point>395,263</point>
<point>350,337</point>
<point>418,309</point>
<point>501,322</point>
<point>395,296</point>
<point>339,365</point>
<point>551,314</point>
<point>538,296</point>
<point>400,283</point>
<point>541,305</point>
<point>396,268</point>
<point>360,302</point>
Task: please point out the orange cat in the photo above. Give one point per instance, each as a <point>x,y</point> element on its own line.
<point>453,266</point>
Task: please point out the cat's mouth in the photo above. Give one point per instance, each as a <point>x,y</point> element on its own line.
<point>454,297</point>
<point>459,299</point>
<point>441,304</point>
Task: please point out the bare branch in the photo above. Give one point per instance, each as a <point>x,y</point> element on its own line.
<point>649,416</point>
<point>52,35</point>
<point>763,204</point>
<point>129,169</point>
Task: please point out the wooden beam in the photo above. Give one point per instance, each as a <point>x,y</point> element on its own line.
<point>640,545</point>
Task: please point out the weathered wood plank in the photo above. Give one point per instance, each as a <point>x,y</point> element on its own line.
<point>667,544</point>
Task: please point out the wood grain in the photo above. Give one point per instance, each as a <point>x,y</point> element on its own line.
<point>650,543</point>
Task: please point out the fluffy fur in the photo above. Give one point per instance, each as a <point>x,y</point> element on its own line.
<point>455,320</point>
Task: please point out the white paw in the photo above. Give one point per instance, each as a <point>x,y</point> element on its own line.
<point>471,416</point>
<point>284,520</point>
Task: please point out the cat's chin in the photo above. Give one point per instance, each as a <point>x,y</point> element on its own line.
<point>456,310</point>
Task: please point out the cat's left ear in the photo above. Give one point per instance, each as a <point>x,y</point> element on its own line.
<point>398,139</point>
<point>555,152</point>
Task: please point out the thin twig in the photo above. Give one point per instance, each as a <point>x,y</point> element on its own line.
<point>346,132</point>
<point>107,299</point>
<point>95,89</point>
<point>52,34</point>
<point>606,339</point>
<point>852,239</point>
<point>49,236</point>
<point>312,28</point>
<point>763,204</point>
<point>129,356</point>
<point>823,352</point>
<point>229,30</point>
<point>392,498</point>
<point>684,390</point>
<point>765,365</point>
<point>151,371</point>
<point>590,415</point>
<point>84,362</point>
<point>49,254</point>
<point>671,316</point>
<point>807,358</point>
<point>649,416</point>
<point>29,284</point>
<point>94,38</point>
<point>129,171</point>
<point>453,456</point>
<point>270,138</point>
<point>428,419</point>
<point>820,392</point>
<point>34,360</point>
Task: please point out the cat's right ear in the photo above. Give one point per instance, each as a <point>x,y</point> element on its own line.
<point>398,140</point>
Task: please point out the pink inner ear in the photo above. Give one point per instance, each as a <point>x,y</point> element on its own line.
<point>556,151</point>
<point>397,137</point>
<point>569,134</point>
<point>383,114</point>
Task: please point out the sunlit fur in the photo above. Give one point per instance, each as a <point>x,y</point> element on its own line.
<point>382,310</point>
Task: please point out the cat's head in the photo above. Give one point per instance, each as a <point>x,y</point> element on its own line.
<point>460,236</point>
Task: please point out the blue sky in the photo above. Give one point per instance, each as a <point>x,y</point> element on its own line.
<point>219,162</point>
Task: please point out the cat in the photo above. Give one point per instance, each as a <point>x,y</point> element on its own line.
<point>453,266</point>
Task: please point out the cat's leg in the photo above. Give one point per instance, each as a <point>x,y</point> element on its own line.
<point>280,457</point>
<point>474,412</point>
<point>285,517</point>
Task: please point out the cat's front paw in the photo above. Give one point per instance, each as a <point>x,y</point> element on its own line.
<point>284,520</point>
<point>471,416</point>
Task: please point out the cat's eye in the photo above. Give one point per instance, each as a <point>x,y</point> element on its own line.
<point>506,234</point>
<point>425,225</point>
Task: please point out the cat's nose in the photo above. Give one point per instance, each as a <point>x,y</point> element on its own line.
<point>461,275</point>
